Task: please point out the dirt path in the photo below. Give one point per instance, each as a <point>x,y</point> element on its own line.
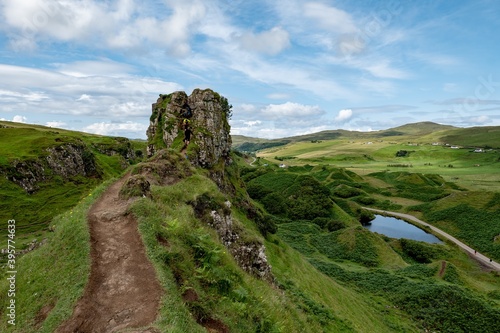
<point>472,253</point>
<point>123,291</point>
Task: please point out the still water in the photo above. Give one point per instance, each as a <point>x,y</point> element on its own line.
<point>395,228</point>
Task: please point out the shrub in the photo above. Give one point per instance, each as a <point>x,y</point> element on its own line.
<point>419,251</point>
<point>257,191</point>
<point>365,217</point>
<point>274,203</point>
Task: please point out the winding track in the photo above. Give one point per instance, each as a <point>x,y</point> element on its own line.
<point>474,254</point>
<point>123,291</point>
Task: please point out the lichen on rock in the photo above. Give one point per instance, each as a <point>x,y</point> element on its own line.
<point>208,113</point>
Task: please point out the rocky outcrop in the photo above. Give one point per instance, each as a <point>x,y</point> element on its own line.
<point>119,146</point>
<point>26,174</point>
<point>67,160</point>
<point>70,160</point>
<point>249,254</point>
<point>208,113</point>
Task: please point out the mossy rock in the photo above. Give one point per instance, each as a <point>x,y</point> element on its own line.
<point>136,186</point>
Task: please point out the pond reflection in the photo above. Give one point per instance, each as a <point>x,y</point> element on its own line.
<point>396,228</point>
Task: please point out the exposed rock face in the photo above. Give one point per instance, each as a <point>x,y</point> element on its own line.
<point>250,255</point>
<point>68,160</point>
<point>27,174</point>
<point>71,160</point>
<point>208,114</point>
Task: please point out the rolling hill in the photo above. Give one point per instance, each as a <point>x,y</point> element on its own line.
<point>252,248</point>
<point>46,171</point>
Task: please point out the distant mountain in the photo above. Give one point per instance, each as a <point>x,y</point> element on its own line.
<point>244,143</point>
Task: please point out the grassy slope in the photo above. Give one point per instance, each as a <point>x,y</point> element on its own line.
<point>53,277</point>
<point>349,255</point>
<point>310,302</point>
<point>29,142</point>
<point>348,297</point>
<point>374,153</point>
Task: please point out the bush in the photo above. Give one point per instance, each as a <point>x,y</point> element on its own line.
<point>419,251</point>
<point>345,191</point>
<point>257,191</point>
<point>365,217</point>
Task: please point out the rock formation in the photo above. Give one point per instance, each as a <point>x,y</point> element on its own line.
<point>67,160</point>
<point>249,254</point>
<point>208,113</point>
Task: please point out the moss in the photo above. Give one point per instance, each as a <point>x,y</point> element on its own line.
<point>157,140</point>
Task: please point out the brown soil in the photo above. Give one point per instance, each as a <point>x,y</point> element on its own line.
<point>122,291</point>
<point>443,268</point>
<point>43,313</point>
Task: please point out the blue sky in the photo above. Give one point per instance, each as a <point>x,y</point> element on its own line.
<point>288,67</point>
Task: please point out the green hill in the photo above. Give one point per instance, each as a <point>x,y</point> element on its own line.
<point>46,171</point>
<point>415,130</point>
<point>260,248</point>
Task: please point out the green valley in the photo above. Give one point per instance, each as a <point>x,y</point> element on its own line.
<point>265,241</point>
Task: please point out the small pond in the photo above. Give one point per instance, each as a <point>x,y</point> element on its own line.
<point>396,228</point>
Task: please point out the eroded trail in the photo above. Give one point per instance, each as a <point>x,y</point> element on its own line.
<point>123,291</point>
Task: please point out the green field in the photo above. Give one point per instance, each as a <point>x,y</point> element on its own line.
<point>330,273</point>
<point>474,170</point>
<point>404,273</point>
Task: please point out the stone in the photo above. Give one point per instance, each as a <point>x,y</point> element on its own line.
<point>208,113</point>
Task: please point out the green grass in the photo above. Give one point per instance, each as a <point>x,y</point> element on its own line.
<point>369,153</point>
<point>29,143</point>
<point>54,275</point>
<point>244,303</point>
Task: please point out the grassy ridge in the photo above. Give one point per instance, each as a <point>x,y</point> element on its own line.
<point>51,279</point>
<point>306,300</point>
<point>425,144</point>
<point>30,143</point>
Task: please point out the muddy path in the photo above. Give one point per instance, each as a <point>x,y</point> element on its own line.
<point>123,291</point>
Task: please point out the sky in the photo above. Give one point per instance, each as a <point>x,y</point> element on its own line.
<point>288,67</point>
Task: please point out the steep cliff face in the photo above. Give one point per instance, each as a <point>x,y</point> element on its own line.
<point>208,114</point>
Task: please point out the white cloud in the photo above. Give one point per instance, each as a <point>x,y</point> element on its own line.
<point>84,97</point>
<point>120,24</point>
<point>278,96</point>
<point>291,110</point>
<point>8,95</point>
<point>20,119</point>
<point>104,128</point>
<point>253,123</point>
<point>282,73</point>
<point>269,42</point>
<point>330,18</point>
<point>50,91</point>
<point>103,67</point>
<point>344,115</point>
<point>57,124</point>
<point>383,69</point>
<point>247,107</point>
<point>480,120</point>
